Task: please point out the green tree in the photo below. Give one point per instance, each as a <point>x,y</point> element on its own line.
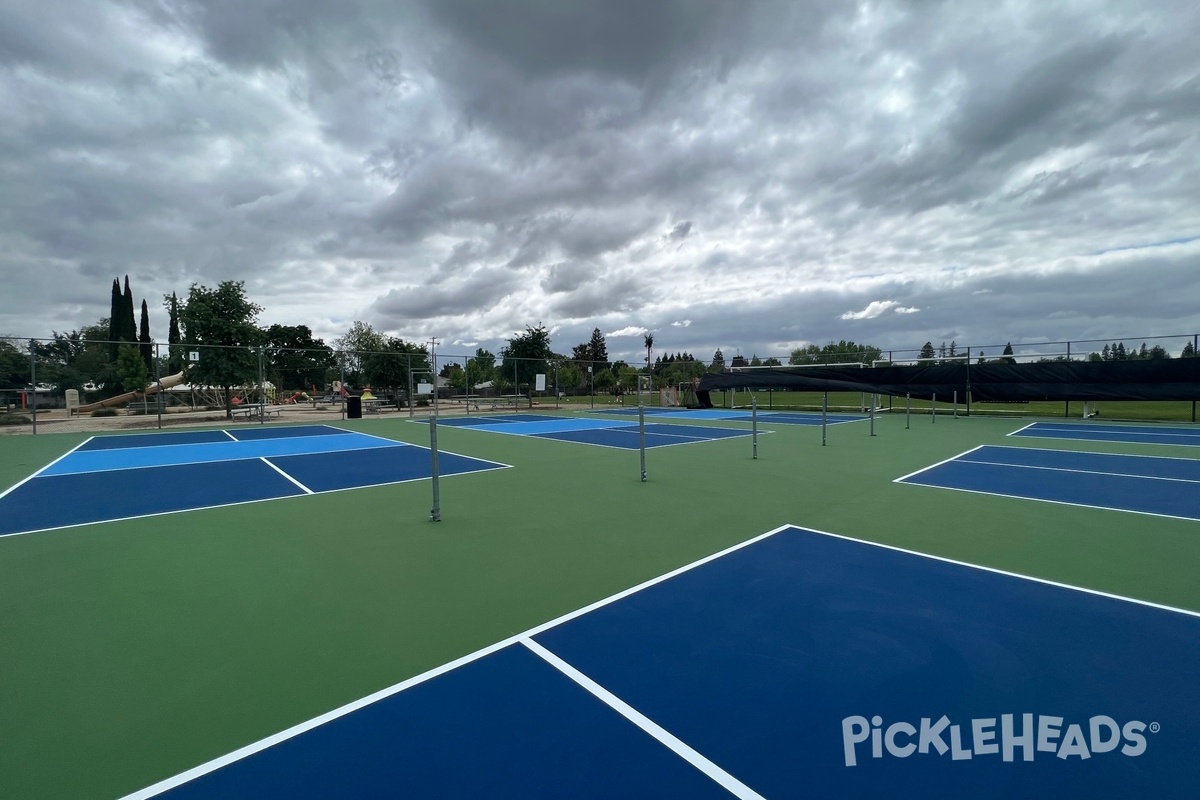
<point>718,362</point>
<point>144,344</point>
<point>526,355</point>
<point>569,376</point>
<point>220,323</point>
<point>128,330</point>
<point>115,313</point>
<point>391,365</point>
<point>295,360</point>
<point>14,367</point>
<point>174,351</point>
<point>1006,357</point>
<point>842,352</point>
<point>481,368</point>
<point>359,341</point>
<point>1189,351</point>
<point>131,369</point>
<point>648,340</point>
<point>926,351</point>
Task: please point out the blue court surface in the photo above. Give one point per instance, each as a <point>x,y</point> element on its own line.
<point>122,477</point>
<point>740,415</point>
<point>1104,432</point>
<point>799,664</point>
<point>1167,487</point>
<point>621,434</point>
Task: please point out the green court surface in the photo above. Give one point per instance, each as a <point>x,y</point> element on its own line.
<point>131,651</point>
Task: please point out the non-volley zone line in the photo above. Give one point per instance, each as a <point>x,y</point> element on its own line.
<point>740,415</point>
<point>156,474</point>
<point>798,664</point>
<point>1106,432</point>
<point>621,434</point>
<point>1155,485</point>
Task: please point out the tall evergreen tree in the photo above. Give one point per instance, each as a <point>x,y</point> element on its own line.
<point>128,318</point>
<point>144,340</point>
<point>114,320</point>
<point>926,351</point>
<point>174,351</point>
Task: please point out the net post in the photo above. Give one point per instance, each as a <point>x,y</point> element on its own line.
<point>158,380</point>
<point>33,383</point>
<point>872,416</point>
<point>642,436</point>
<point>824,415</point>
<point>435,513</point>
<point>754,424</point>
<point>933,410</point>
<point>956,403</point>
<point>907,409</point>
<point>262,390</point>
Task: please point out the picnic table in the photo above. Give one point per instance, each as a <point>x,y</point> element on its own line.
<point>257,412</point>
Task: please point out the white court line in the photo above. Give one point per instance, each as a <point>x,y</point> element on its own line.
<point>289,477</point>
<point>1077,471</point>
<point>1059,503</point>
<point>903,478</point>
<point>230,435</point>
<point>1024,428</point>
<point>303,727</point>
<point>28,478</point>
<point>659,733</point>
<point>495,465</point>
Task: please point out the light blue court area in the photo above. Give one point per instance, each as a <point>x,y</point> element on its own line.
<point>740,415</point>
<point>122,477</point>
<point>799,664</point>
<point>1104,432</point>
<point>622,434</point>
<point>1144,484</point>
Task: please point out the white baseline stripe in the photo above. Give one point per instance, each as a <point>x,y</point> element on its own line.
<point>662,735</point>
<point>289,477</point>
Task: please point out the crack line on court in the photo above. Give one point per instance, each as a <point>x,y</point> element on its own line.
<point>660,734</point>
<point>289,477</point>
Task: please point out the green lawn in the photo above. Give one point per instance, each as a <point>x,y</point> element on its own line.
<point>133,650</point>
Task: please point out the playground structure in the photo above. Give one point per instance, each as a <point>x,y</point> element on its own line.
<point>198,395</point>
<point>121,399</point>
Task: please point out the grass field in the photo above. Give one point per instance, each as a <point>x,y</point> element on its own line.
<point>133,650</point>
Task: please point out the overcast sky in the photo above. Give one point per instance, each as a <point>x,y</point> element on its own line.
<point>749,176</point>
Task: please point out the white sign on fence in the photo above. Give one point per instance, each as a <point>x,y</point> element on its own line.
<point>539,382</point>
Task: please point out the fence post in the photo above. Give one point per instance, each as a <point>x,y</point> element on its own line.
<point>158,397</point>
<point>33,383</point>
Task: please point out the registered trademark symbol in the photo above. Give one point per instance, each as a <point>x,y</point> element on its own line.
<point>1155,727</point>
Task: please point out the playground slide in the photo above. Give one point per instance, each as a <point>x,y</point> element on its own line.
<point>167,383</point>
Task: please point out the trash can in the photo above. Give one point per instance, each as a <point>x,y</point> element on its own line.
<point>353,407</point>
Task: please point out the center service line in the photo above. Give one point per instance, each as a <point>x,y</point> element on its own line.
<point>289,477</point>
<point>1077,471</point>
<point>663,736</point>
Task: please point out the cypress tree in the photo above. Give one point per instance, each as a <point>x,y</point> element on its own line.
<point>144,339</point>
<point>114,320</point>
<point>174,357</point>
<point>128,320</point>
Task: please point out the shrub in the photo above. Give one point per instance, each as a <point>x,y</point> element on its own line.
<point>11,418</point>
<point>104,412</point>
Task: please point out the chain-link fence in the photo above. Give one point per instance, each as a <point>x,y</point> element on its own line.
<point>68,383</point>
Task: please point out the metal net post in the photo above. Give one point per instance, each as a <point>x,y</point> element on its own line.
<point>754,425</point>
